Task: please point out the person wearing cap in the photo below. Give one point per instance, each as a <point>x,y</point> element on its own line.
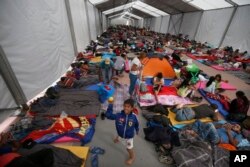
<point>107,70</point>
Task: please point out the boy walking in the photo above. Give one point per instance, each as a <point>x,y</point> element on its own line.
<point>126,124</point>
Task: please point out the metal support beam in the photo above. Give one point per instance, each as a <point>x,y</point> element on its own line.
<point>228,25</point>
<point>11,80</point>
<point>161,24</point>
<point>87,14</point>
<point>182,16</point>
<point>169,22</point>
<point>71,26</point>
<point>198,25</point>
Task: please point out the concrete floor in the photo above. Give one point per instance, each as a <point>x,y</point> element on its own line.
<point>145,153</point>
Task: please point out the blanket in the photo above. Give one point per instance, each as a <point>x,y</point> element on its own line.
<point>223,85</point>
<point>75,103</point>
<point>62,157</point>
<point>221,68</point>
<point>167,82</point>
<point>195,152</point>
<point>81,128</point>
<point>169,100</point>
<point>212,101</point>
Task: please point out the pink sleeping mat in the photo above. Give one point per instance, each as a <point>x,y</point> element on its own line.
<point>65,139</point>
<point>224,85</point>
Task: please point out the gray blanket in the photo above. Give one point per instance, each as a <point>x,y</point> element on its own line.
<point>76,103</point>
<point>195,152</point>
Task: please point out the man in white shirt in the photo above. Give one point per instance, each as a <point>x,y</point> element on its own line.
<point>135,71</point>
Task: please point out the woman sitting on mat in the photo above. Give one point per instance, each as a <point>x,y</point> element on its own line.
<point>158,82</point>
<point>211,85</point>
<point>238,107</point>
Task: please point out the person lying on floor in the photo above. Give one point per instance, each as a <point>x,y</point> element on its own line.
<point>238,107</point>
<point>217,134</point>
<point>126,124</point>
<point>158,83</point>
<point>70,82</point>
<point>185,113</point>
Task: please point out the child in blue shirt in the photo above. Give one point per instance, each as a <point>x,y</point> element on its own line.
<point>126,124</point>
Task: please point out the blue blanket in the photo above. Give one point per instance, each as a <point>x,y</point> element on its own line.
<point>167,82</point>
<point>212,101</point>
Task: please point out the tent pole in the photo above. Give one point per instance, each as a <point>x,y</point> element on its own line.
<point>101,21</point>
<point>198,25</point>
<point>87,14</point>
<point>71,26</point>
<point>161,24</point>
<point>169,21</point>
<point>10,79</point>
<point>182,16</point>
<point>228,25</point>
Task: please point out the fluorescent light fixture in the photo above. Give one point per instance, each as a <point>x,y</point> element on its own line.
<point>208,4</point>
<point>97,2</point>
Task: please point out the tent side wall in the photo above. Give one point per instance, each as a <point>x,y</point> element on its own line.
<point>238,34</point>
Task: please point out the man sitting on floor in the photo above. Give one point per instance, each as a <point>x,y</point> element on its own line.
<point>184,113</point>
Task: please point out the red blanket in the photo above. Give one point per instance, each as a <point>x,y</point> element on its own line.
<point>165,90</point>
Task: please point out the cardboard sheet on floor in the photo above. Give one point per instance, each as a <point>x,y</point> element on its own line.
<point>212,101</point>
<point>172,115</point>
<point>224,85</point>
<point>81,152</point>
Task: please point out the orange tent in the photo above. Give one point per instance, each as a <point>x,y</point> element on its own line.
<point>154,65</point>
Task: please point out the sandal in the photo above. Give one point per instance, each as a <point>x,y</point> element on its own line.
<point>97,150</point>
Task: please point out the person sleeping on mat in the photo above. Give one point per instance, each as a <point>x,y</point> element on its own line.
<point>216,134</point>
<point>185,113</point>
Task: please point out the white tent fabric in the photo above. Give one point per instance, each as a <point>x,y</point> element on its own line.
<point>36,38</point>
<point>79,18</point>
<point>97,21</point>
<point>120,20</point>
<point>6,100</point>
<point>104,22</point>
<point>212,26</point>
<point>164,24</point>
<point>190,23</point>
<point>156,23</point>
<point>238,34</point>
<point>92,22</point>
<point>175,23</point>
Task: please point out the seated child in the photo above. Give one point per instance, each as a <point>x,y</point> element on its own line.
<point>218,80</point>
<point>158,82</point>
<point>119,64</point>
<point>188,90</point>
<point>126,124</point>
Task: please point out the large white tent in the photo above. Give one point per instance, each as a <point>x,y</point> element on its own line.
<point>39,39</point>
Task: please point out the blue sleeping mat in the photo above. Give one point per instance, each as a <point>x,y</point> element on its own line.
<point>212,101</point>
<point>167,82</point>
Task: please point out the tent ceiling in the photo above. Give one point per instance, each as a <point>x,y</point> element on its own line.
<point>171,6</point>
<point>132,14</point>
<point>134,11</point>
<point>135,17</point>
<point>167,6</point>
